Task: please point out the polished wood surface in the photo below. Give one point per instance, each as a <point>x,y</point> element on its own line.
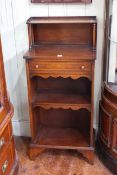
<point>61,52</point>
<point>45,20</point>
<point>60,76</point>
<point>80,30</point>
<point>61,1</point>
<point>5,137</point>
<point>107,135</point>
<point>59,100</point>
<point>8,162</point>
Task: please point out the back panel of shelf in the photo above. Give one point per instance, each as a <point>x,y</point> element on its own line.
<point>77,30</point>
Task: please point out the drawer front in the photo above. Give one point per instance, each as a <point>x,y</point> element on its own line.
<point>7,159</point>
<point>5,138</point>
<point>70,66</point>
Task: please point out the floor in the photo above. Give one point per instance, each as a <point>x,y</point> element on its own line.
<point>56,162</point>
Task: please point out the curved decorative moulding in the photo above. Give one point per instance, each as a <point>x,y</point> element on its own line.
<point>63,106</point>
<point>110,91</point>
<point>111,106</point>
<point>61,1</point>
<point>73,76</point>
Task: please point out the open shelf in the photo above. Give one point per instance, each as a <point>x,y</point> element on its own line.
<point>62,93</point>
<point>61,137</point>
<point>61,100</point>
<point>62,127</point>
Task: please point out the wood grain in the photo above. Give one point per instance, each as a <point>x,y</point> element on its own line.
<point>60,74</point>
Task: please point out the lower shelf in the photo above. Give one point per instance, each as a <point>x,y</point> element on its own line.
<point>70,138</point>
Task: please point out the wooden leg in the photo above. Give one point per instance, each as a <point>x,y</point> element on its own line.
<point>33,151</point>
<point>89,155</point>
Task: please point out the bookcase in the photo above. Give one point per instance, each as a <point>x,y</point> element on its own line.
<point>60,76</point>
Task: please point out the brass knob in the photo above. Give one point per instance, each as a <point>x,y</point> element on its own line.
<point>1,142</point>
<point>37,66</point>
<point>4,167</point>
<point>59,55</point>
<point>82,67</point>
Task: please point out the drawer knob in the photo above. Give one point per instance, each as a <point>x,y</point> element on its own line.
<point>1,142</point>
<point>37,66</point>
<point>59,55</point>
<point>4,167</point>
<point>82,67</point>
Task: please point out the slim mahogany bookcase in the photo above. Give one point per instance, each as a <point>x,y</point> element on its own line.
<point>60,75</point>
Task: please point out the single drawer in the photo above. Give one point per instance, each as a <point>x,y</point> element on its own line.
<point>5,138</point>
<point>57,66</point>
<point>7,159</point>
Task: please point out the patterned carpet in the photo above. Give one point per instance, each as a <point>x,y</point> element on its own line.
<point>56,162</point>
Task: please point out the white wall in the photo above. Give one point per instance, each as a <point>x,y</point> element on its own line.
<point>15,42</point>
<point>113,46</point>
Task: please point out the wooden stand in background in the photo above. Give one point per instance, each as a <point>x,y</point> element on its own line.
<point>60,73</point>
<point>8,159</point>
<point>107,135</point>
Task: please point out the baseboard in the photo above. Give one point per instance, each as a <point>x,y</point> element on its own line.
<point>21,128</point>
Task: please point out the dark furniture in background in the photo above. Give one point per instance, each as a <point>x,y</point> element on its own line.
<point>62,1</point>
<point>107,134</point>
<point>8,160</point>
<point>60,74</point>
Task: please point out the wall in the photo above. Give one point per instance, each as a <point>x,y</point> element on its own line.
<point>113,46</point>
<point>13,15</point>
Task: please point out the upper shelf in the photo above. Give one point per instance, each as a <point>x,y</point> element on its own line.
<point>80,30</point>
<point>60,52</point>
<point>50,20</point>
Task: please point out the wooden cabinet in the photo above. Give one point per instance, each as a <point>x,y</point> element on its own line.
<point>60,76</point>
<point>107,135</point>
<point>8,159</point>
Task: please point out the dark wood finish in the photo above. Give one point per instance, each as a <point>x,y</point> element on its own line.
<point>61,1</point>
<point>107,135</point>
<point>60,76</point>
<point>8,161</point>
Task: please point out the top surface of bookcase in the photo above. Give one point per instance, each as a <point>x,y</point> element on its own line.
<point>61,1</point>
<point>46,20</point>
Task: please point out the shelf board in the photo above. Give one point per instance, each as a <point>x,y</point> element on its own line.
<point>60,100</point>
<point>49,20</point>
<point>70,138</point>
<point>50,52</point>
